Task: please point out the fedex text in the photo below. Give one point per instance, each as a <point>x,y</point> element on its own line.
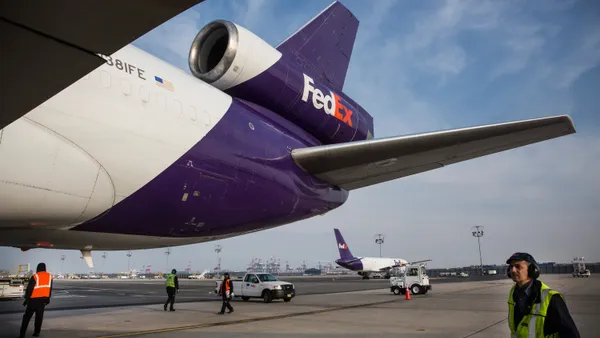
<point>332,103</point>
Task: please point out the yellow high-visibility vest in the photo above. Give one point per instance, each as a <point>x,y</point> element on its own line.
<point>532,324</point>
<point>171,280</point>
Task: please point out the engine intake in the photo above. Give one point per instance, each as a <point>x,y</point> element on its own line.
<point>225,54</point>
<point>213,50</point>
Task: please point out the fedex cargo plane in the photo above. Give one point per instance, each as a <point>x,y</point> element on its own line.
<point>106,147</point>
<point>365,266</point>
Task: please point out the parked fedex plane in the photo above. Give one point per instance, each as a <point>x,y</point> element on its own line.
<point>106,147</point>
<point>365,266</point>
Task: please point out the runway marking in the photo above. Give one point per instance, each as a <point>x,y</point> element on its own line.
<point>259,319</point>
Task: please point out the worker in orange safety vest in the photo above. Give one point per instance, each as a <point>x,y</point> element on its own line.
<point>37,296</point>
<point>226,292</point>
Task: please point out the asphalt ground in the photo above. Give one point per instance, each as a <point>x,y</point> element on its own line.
<point>453,308</point>
<point>69,294</point>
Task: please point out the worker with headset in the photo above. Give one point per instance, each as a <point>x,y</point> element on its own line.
<point>534,306</point>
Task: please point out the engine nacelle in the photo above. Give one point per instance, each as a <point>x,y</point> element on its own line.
<point>233,59</point>
<point>225,54</point>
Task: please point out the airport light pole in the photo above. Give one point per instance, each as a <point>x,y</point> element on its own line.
<point>218,249</point>
<point>128,259</point>
<point>62,260</point>
<point>379,240</point>
<point>104,261</point>
<point>477,231</point>
<point>167,253</point>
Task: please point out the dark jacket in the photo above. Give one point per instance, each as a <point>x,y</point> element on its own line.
<point>558,318</point>
<point>31,285</point>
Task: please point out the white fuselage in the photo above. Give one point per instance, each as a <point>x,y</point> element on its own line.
<point>378,264</point>
<point>101,139</point>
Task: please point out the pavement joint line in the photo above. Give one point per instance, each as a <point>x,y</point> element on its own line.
<point>289,315</point>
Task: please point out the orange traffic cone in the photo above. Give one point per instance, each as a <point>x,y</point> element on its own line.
<point>407,295</point>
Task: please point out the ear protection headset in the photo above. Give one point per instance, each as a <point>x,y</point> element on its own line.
<point>533,270</point>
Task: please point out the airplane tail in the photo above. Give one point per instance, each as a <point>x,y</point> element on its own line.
<point>322,49</point>
<point>345,253</point>
<point>301,79</point>
<point>323,46</point>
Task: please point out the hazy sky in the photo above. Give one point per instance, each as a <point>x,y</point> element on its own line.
<point>418,67</point>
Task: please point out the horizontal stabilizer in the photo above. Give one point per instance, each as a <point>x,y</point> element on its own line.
<point>355,259</point>
<point>360,164</point>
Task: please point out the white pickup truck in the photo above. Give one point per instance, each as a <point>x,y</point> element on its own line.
<point>260,285</point>
<point>11,288</point>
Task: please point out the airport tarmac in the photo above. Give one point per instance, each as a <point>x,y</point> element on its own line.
<point>71,294</point>
<point>451,309</point>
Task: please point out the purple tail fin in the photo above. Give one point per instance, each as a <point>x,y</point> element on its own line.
<point>322,48</point>
<point>345,253</point>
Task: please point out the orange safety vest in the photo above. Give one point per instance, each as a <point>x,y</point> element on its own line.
<point>227,285</point>
<point>42,285</point>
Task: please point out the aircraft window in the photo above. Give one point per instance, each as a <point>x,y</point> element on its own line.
<point>144,94</point>
<point>265,277</point>
<point>125,87</point>
<point>105,79</point>
<point>205,118</point>
<point>177,107</point>
<point>161,100</point>
<point>192,113</point>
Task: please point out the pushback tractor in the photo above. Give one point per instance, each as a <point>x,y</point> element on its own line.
<point>415,279</point>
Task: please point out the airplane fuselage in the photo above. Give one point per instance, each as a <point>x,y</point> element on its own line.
<point>140,154</point>
<point>370,264</point>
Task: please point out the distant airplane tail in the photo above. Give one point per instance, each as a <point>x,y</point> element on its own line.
<point>345,253</point>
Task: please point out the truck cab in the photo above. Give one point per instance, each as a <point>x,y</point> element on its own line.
<point>261,285</point>
<point>415,279</point>
<point>579,269</point>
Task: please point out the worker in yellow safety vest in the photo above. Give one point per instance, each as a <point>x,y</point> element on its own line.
<point>37,296</point>
<point>172,285</point>
<point>534,309</point>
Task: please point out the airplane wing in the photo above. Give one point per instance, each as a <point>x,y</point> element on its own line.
<point>416,262</point>
<point>360,164</point>
<point>54,43</point>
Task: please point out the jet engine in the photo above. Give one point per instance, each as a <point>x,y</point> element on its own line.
<point>225,54</point>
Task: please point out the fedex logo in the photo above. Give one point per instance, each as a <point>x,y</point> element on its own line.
<point>342,246</point>
<point>332,104</point>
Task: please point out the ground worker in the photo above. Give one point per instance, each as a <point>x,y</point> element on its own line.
<point>37,296</point>
<point>226,291</point>
<point>172,288</point>
<point>534,309</point>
